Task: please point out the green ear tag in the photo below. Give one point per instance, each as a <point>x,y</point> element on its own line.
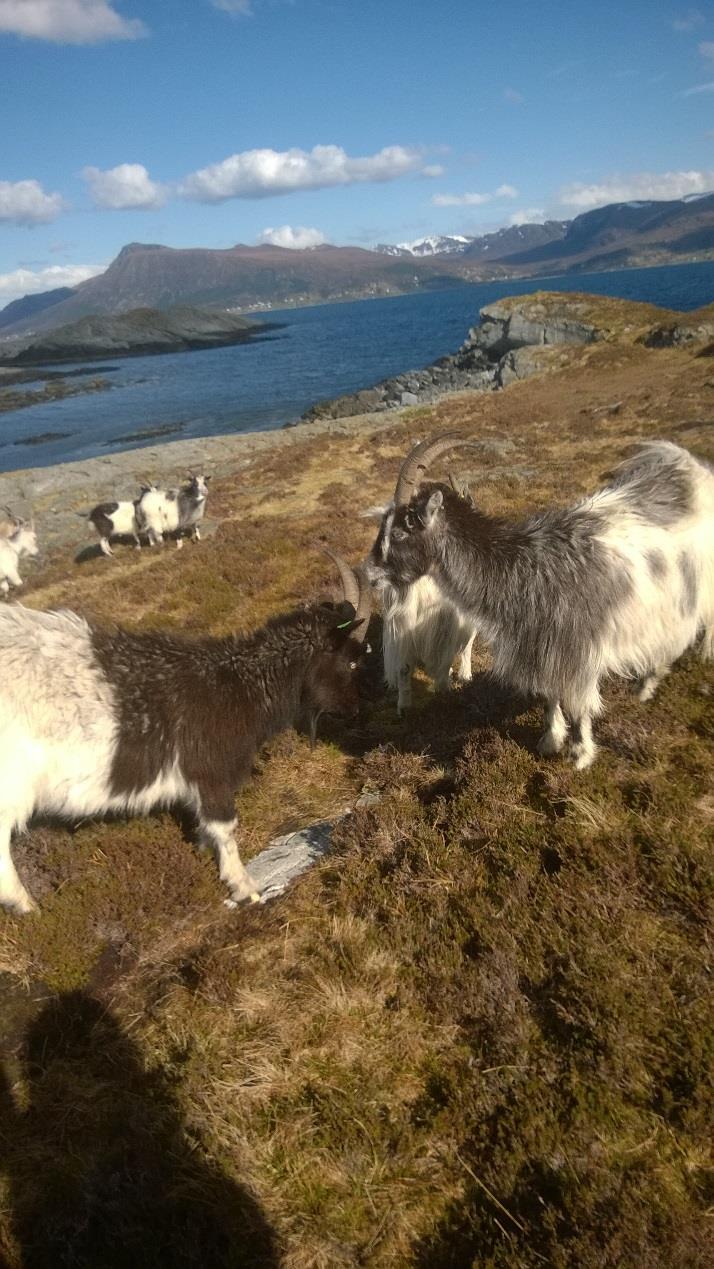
<point>343,625</point>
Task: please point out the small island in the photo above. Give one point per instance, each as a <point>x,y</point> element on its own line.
<point>139,332</point>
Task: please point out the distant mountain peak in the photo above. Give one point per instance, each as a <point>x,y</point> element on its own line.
<point>432,245</point>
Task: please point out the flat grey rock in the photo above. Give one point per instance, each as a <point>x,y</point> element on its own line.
<point>289,856</point>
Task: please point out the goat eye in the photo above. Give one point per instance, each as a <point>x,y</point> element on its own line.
<point>398,535</point>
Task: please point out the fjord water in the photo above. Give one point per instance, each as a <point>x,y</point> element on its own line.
<point>319,352</point>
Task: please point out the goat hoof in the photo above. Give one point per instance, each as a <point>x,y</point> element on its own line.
<point>583,758</point>
<point>237,901</point>
<point>22,907</point>
<point>549,745</point>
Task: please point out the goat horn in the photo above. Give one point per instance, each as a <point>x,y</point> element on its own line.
<point>416,463</point>
<point>364,607</point>
<point>356,591</point>
<point>350,585</point>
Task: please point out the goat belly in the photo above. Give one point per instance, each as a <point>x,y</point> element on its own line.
<point>124,518</point>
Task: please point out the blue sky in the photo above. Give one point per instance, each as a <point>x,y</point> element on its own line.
<point>211,122</point>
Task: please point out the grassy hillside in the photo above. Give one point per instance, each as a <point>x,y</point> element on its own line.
<point>481,1032</point>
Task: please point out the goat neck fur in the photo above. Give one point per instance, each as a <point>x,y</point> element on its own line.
<point>95,721</point>
<point>623,582</point>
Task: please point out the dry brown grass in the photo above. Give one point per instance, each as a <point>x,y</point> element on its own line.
<point>481,1032</point>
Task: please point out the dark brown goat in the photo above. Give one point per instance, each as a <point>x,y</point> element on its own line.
<point>123,721</point>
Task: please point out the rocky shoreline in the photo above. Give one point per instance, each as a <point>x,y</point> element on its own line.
<point>515,339</point>
<point>59,497</point>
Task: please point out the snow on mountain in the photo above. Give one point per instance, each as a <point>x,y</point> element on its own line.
<point>435,244</point>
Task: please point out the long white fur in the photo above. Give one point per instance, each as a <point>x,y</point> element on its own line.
<point>656,624</point>
<point>159,513</point>
<point>22,541</point>
<point>422,628</point>
<point>58,735</point>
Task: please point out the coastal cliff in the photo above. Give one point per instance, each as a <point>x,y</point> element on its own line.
<point>518,337</point>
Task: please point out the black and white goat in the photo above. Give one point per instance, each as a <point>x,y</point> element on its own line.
<point>19,539</point>
<point>94,721</point>
<point>621,583</point>
<point>118,519</point>
<point>177,511</point>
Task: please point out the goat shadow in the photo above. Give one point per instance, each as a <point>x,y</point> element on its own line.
<point>101,1172</point>
<point>94,551</point>
<point>438,723</point>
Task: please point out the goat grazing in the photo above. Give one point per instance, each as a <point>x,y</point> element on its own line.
<point>117,519</point>
<point>18,541</point>
<point>178,511</point>
<point>620,583</point>
<point>94,721</point>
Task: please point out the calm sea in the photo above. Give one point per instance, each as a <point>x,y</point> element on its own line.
<point>320,352</point>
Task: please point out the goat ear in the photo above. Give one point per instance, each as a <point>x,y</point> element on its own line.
<point>374,513</point>
<point>432,508</point>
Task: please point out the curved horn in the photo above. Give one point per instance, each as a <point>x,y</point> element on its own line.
<point>364,607</point>
<point>357,592</point>
<point>350,584</point>
<point>416,463</point>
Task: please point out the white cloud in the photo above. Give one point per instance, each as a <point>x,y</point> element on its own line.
<point>639,186</point>
<point>433,169</point>
<point>706,48</point>
<point>513,97</point>
<point>460,200</point>
<point>698,88</point>
<point>26,203</point>
<point>126,187</point>
<point>297,237</point>
<point>527,216</point>
<point>473,200</point>
<point>265,173</point>
<point>68,21</point>
<point>31,281</point>
<point>244,8</point>
<point>689,20</point>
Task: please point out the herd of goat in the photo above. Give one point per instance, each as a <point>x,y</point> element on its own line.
<point>96,720</point>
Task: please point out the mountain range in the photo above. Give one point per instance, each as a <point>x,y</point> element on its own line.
<point>265,277</point>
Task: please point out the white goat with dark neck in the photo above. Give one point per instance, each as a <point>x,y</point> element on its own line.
<point>177,511</point>
<point>621,583</point>
<point>20,540</point>
<point>95,721</point>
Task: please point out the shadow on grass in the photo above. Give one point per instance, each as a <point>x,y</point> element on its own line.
<point>102,1172</point>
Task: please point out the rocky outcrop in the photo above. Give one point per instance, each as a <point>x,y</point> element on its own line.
<point>511,342</point>
<point>677,333</point>
<point>504,327</point>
